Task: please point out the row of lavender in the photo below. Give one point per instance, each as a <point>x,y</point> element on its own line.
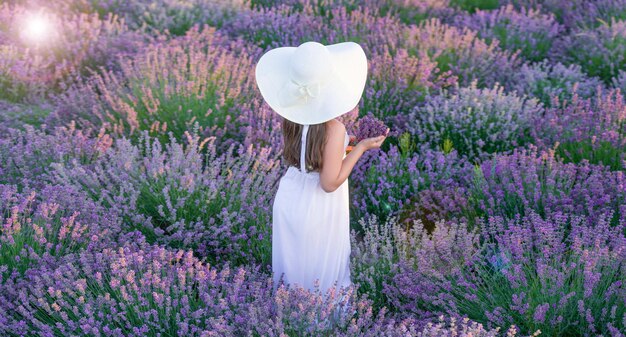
<point>104,240</point>
<point>482,45</point>
<point>140,203</point>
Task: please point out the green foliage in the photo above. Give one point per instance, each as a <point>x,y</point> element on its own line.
<point>596,152</point>
<point>447,146</point>
<point>407,144</point>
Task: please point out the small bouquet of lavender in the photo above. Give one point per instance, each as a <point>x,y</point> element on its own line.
<point>366,127</point>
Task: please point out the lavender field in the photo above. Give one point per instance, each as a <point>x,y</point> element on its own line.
<point>139,163</point>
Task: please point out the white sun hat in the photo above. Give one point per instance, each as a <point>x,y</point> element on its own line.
<point>312,83</point>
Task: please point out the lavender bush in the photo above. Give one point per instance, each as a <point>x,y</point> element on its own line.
<point>527,30</point>
<point>575,14</point>
<point>283,26</point>
<point>399,82</point>
<point>40,228</point>
<point>276,26</point>
<point>561,275</point>
<point>546,80</point>
<point>19,80</point>
<point>439,255</point>
<point>563,11</point>
<point>176,16</point>
<point>26,156</point>
<point>538,181</point>
<point>262,129</point>
<point>478,122</point>
<point>387,252</point>
<point>414,11</point>
<point>586,129</point>
<point>600,51</point>
<point>408,12</point>
<point>619,82</point>
<point>188,196</point>
<point>428,185</point>
<point>462,52</point>
<point>472,6</point>
<point>15,116</point>
<point>150,17</point>
<point>600,11</point>
<point>138,289</point>
<point>136,292</point>
<point>197,78</point>
<point>378,254</point>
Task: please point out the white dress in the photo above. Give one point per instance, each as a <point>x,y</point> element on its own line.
<point>310,229</point>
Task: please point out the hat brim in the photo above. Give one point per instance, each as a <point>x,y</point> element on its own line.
<point>339,95</point>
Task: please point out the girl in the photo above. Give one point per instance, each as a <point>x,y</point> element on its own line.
<point>309,86</point>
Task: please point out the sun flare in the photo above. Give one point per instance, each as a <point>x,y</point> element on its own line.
<point>37,29</point>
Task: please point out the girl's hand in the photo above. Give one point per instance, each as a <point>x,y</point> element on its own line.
<point>374,142</point>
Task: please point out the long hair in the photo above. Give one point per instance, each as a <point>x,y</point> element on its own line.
<point>315,142</point>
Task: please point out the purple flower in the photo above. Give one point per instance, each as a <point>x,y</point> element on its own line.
<point>540,312</point>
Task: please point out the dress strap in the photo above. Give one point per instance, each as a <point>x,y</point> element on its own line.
<point>305,129</point>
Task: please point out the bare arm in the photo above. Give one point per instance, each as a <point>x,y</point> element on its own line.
<point>336,169</point>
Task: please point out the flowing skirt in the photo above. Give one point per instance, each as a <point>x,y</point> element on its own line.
<point>310,232</point>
